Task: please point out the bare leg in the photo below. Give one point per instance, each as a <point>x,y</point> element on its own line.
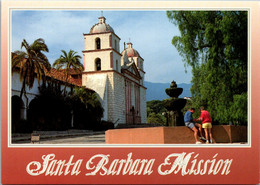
<point>206,134</point>
<point>195,133</point>
<point>210,134</point>
<point>200,128</point>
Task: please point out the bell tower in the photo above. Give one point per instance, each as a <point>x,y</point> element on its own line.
<point>102,65</point>
<point>101,48</point>
<point>117,78</point>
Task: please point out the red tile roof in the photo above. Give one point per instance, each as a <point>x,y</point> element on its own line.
<point>74,76</point>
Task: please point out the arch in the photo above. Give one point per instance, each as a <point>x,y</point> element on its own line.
<point>34,110</point>
<point>98,64</point>
<point>98,43</point>
<point>18,112</point>
<point>47,112</point>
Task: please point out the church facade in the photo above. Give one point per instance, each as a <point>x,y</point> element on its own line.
<point>117,77</point>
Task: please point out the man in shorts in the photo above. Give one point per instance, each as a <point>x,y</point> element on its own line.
<point>189,122</point>
<point>206,123</point>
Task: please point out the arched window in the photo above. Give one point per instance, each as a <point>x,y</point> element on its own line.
<point>98,64</point>
<point>98,43</point>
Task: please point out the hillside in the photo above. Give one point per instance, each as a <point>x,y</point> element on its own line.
<point>156,91</point>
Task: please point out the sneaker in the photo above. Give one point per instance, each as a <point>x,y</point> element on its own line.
<point>203,138</point>
<point>211,141</point>
<point>207,142</point>
<point>198,142</point>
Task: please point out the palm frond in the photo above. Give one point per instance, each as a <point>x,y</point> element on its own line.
<point>25,44</point>
<point>32,62</point>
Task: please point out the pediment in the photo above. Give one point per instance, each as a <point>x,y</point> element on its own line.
<point>132,69</point>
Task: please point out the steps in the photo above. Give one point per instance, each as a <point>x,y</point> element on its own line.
<point>50,134</point>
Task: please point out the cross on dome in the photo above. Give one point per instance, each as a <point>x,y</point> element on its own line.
<point>129,44</point>
<point>101,26</point>
<point>102,20</point>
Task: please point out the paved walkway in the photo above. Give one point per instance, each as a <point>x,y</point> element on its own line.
<point>64,138</point>
<point>71,137</point>
<point>98,138</point>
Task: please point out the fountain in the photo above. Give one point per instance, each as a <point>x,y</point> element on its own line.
<point>174,105</point>
<point>175,132</point>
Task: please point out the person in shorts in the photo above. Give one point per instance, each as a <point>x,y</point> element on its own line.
<point>190,122</point>
<point>206,124</point>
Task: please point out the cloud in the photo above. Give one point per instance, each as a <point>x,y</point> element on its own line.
<point>149,31</point>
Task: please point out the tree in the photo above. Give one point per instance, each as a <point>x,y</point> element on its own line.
<point>90,100</point>
<point>155,110</point>
<point>48,110</point>
<point>155,106</point>
<point>54,110</point>
<point>87,109</point>
<point>68,61</point>
<point>156,119</point>
<point>215,45</point>
<point>31,62</point>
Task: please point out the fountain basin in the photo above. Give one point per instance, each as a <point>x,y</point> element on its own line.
<point>174,92</point>
<point>174,104</point>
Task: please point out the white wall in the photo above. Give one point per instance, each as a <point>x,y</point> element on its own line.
<point>116,57</point>
<point>99,83</point>
<point>90,64</point>
<point>90,41</point>
<point>117,45</point>
<point>118,96</point>
<point>17,86</point>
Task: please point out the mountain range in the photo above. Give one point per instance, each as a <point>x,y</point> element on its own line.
<point>156,91</point>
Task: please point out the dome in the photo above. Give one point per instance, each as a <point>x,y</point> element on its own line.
<point>130,51</point>
<point>101,26</point>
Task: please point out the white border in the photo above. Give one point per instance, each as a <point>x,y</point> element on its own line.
<point>249,137</point>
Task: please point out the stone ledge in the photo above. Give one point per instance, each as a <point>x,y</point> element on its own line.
<point>173,135</point>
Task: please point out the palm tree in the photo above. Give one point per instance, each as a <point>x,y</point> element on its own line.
<point>68,61</point>
<point>31,62</point>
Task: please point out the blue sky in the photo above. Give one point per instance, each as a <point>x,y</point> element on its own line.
<point>149,31</point>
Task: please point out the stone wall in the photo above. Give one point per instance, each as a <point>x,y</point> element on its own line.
<point>111,90</point>
<point>143,104</point>
<point>175,135</point>
<point>117,97</point>
<point>110,97</point>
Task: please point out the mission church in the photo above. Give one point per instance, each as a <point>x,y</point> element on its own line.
<point>117,77</point>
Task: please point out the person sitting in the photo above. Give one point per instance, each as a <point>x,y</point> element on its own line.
<point>190,123</point>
